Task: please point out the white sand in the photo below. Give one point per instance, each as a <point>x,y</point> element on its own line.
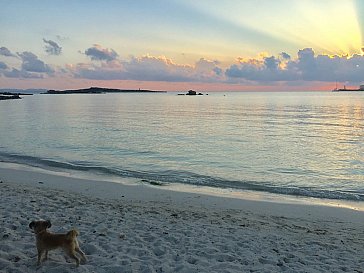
<point>145,229</point>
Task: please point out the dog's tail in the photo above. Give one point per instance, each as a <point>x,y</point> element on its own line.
<point>72,234</point>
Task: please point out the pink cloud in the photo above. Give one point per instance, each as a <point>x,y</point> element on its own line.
<point>305,69</point>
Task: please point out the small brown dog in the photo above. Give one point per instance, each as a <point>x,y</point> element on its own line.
<point>47,241</point>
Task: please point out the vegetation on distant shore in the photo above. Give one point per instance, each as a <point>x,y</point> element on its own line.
<point>101,90</point>
<point>91,90</point>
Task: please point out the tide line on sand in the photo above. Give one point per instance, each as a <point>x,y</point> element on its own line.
<point>143,229</point>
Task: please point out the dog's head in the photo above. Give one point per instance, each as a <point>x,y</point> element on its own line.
<point>40,225</point>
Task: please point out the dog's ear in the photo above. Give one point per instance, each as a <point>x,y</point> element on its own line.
<point>31,225</point>
<point>48,223</point>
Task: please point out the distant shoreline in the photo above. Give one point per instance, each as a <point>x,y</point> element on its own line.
<point>10,97</point>
<point>101,90</point>
<point>348,90</point>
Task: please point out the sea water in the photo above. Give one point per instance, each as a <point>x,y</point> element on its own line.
<point>291,143</point>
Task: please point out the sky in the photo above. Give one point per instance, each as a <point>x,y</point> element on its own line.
<point>212,45</point>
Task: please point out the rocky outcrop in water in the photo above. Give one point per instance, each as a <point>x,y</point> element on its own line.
<point>10,97</point>
<point>193,93</point>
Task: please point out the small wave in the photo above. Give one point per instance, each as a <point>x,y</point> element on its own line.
<point>166,177</point>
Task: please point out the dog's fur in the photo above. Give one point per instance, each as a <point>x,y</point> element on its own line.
<point>46,241</point>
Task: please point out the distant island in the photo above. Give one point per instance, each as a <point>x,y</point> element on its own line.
<point>101,90</point>
<point>15,94</point>
<point>12,96</point>
<point>30,91</point>
<point>360,89</point>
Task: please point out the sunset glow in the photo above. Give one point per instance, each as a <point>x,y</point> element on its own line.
<point>143,44</point>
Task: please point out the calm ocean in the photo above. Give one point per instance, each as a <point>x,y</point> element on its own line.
<point>305,144</point>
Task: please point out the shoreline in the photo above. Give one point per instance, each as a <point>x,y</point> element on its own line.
<point>129,184</point>
<point>139,228</point>
<point>195,196</point>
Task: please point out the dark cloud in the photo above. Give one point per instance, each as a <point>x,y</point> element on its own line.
<point>307,67</point>
<point>285,56</point>
<point>31,67</point>
<point>236,71</point>
<point>6,52</point>
<point>31,63</point>
<point>271,63</point>
<point>3,65</point>
<point>52,48</point>
<point>218,71</point>
<point>306,59</point>
<point>97,53</point>
<point>264,70</point>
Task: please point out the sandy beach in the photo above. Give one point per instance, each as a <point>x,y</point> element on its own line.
<point>129,228</point>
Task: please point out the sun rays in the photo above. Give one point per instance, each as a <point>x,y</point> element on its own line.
<point>334,29</point>
<point>330,27</point>
<point>246,42</point>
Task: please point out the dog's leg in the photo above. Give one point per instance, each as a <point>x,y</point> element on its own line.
<point>46,255</point>
<point>40,252</point>
<point>83,256</point>
<point>72,254</point>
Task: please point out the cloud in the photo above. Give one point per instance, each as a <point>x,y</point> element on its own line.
<point>262,70</point>
<point>218,71</point>
<point>3,65</point>
<point>62,38</point>
<point>149,68</point>
<point>203,65</point>
<point>207,70</point>
<point>52,48</point>
<point>97,53</point>
<point>146,68</point>
<point>16,73</point>
<point>271,63</point>
<point>31,67</point>
<point>285,56</point>
<point>31,63</point>
<point>6,52</point>
<point>306,67</point>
